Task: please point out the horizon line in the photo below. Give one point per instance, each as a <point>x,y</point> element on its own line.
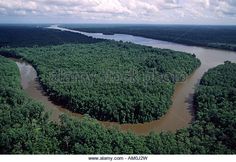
<point>98,23</point>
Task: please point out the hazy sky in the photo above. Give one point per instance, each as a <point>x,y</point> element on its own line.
<point>119,11</point>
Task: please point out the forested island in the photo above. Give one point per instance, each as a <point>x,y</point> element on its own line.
<point>222,37</point>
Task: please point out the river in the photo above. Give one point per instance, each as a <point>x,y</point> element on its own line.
<point>181,112</point>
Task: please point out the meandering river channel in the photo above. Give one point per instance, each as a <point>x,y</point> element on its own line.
<point>180,114</point>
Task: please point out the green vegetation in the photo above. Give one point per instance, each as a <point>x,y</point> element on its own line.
<point>216,107</point>
<point>214,129</point>
<point>112,81</point>
<point>29,36</point>
<point>222,37</point>
<point>24,127</point>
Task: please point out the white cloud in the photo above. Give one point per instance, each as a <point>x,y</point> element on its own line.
<point>123,10</point>
<point>227,7</point>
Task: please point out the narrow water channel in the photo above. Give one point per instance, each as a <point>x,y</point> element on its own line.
<point>180,114</point>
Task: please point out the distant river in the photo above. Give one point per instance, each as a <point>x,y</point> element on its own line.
<point>181,112</point>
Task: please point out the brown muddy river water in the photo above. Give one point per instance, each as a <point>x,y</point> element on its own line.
<point>180,114</point>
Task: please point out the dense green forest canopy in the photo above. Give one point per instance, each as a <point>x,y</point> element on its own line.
<point>22,121</point>
<point>223,37</point>
<point>32,35</point>
<point>111,80</point>
<point>214,128</point>
<point>25,128</point>
<point>216,107</point>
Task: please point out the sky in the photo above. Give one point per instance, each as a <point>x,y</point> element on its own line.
<point>214,12</point>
